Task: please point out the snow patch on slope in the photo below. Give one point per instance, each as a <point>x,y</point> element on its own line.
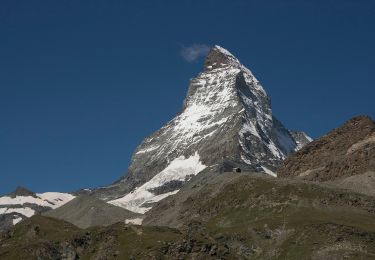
<point>269,172</point>
<point>27,206</point>
<point>57,198</point>
<point>178,170</point>
<point>16,220</point>
<point>26,211</point>
<point>308,137</point>
<point>150,149</point>
<point>134,221</point>
<point>47,199</point>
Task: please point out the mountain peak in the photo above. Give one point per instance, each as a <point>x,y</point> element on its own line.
<point>226,120</point>
<point>22,191</point>
<point>222,50</point>
<point>218,57</point>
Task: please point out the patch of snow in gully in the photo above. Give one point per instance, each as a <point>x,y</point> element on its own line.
<point>178,170</point>
<point>16,220</point>
<point>269,172</point>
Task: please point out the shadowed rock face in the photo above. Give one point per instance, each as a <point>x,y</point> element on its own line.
<point>21,191</point>
<point>301,138</point>
<point>346,151</point>
<point>226,116</point>
<point>219,57</point>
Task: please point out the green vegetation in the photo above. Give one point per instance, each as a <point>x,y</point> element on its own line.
<point>49,238</point>
<point>247,218</point>
<point>263,218</point>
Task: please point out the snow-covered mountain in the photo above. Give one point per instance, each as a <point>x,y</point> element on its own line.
<point>23,203</point>
<point>226,119</point>
<point>226,122</point>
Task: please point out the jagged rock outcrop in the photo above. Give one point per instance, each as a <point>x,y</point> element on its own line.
<point>226,118</point>
<point>22,191</point>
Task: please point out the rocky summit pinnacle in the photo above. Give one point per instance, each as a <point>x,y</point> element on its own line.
<point>226,120</point>
<point>22,191</point>
<point>219,57</point>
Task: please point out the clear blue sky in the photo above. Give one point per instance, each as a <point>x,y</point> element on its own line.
<point>83,82</point>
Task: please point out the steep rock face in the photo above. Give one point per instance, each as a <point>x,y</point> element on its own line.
<point>226,116</point>
<point>301,139</point>
<point>346,151</point>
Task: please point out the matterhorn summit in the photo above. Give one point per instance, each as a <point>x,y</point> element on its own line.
<point>226,120</point>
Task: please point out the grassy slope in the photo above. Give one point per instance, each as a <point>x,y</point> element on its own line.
<point>281,219</point>
<point>50,238</point>
<point>280,224</point>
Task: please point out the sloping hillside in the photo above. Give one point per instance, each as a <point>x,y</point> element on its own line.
<point>345,151</point>
<point>86,211</point>
<point>218,216</point>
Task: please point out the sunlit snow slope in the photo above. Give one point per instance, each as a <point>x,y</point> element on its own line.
<point>141,199</point>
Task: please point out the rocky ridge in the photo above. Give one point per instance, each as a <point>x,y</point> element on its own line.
<point>346,151</point>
